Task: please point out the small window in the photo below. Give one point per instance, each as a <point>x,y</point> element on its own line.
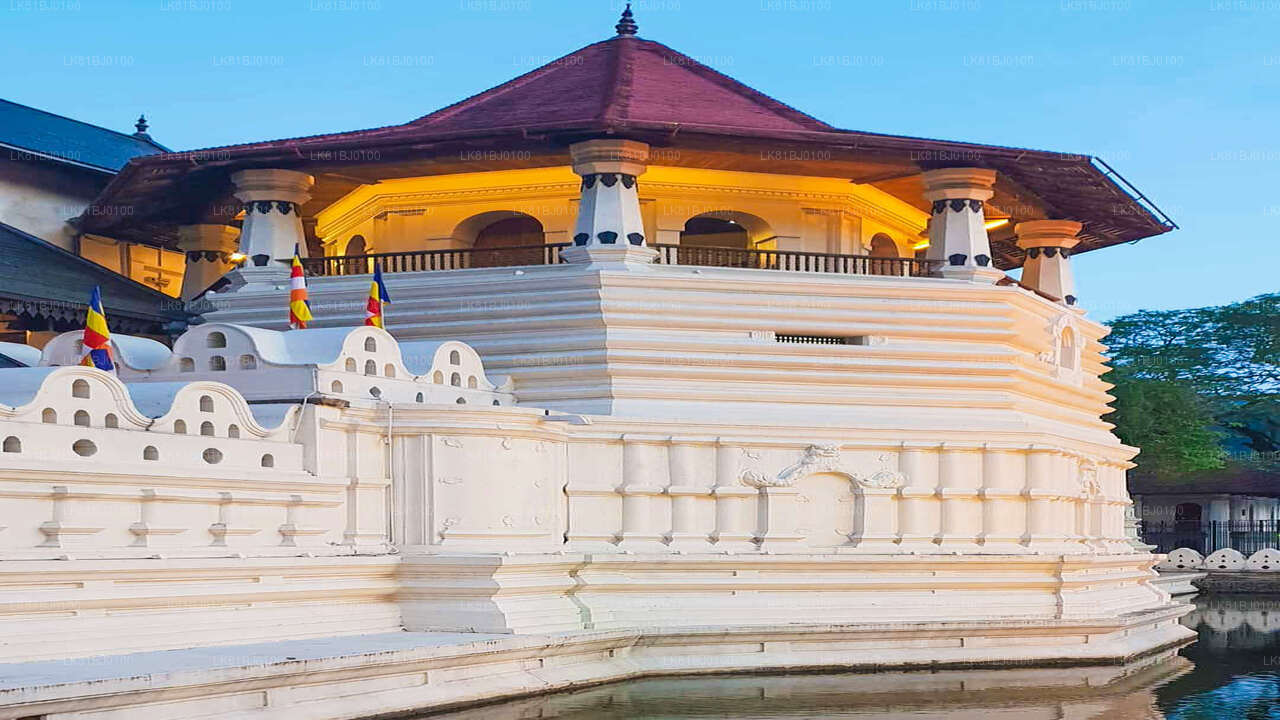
<point>471,382</point>
<point>438,378</point>
<point>186,365</point>
<point>80,389</point>
<point>49,415</point>
<point>455,380</point>
<point>215,340</point>
<point>206,428</point>
<point>248,362</point>
<point>454,358</point>
<point>351,365</point>
<point>370,345</point>
<point>213,456</point>
<point>495,402</point>
<point>81,418</point>
<point>84,448</point>
<point>335,386</point>
<point>389,370</point>
<point>180,427</point>
<point>370,368</point>
<point>419,397</point>
<point>111,421</point>
<point>150,453</point>
<point>12,444</point>
<point>233,431</point>
<point>461,401</point>
<point>375,391</point>
<point>268,460</point>
<point>206,403</point>
<point>217,363</point>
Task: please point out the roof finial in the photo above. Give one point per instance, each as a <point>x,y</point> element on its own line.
<point>141,125</point>
<point>627,25</point>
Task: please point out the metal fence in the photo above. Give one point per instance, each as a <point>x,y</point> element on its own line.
<point>1247,536</point>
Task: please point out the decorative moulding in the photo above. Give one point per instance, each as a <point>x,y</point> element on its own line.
<point>819,459</point>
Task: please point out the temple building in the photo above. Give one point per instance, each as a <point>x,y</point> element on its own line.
<point>675,378</point>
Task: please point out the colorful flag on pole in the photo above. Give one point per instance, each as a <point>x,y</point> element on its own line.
<point>378,297</point>
<point>97,338</point>
<point>299,306</point>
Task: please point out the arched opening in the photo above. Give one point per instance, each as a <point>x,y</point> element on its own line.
<point>471,382</point>
<point>49,416</point>
<point>150,453</point>
<point>437,377</point>
<point>454,357</point>
<point>490,234</point>
<point>268,460</point>
<point>335,386</point>
<point>111,421</point>
<point>12,445</point>
<point>370,345</point>
<point>419,397</point>
<point>180,427</point>
<point>355,250</point>
<point>370,367</point>
<point>206,403</point>
<point>389,370</point>
<point>80,389</point>
<point>350,365</point>
<point>883,252</point>
<point>206,428</point>
<point>248,362</point>
<point>455,380</point>
<point>186,365</point>
<point>1067,353</point>
<point>233,431</point>
<point>81,418</point>
<point>217,363</point>
<point>723,238</point>
<point>1186,516</point>
<point>216,340</point>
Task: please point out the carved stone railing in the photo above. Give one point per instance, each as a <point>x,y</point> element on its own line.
<point>549,254</point>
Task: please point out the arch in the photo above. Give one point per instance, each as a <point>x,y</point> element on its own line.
<point>248,362</point>
<point>882,249</point>
<point>180,427</point>
<point>419,398</point>
<point>370,345</point>
<point>461,401</point>
<point>206,429</point>
<point>355,250</point>
<point>496,403</point>
<point>217,363</point>
<point>49,416</point>
<point>80,389</point>
<point>471,382</point>
<point>268,460</point>
<point>455,358</point>
<point>488,231</point>
<point>370,368</point>
<point>355,246</point>
<point>350,365</point>
<point>12,444</point>
<point>81,418</point>
<point>233,431</point>
<point>1068,350</point>
<point>186,364</point>
<point>737,228</point>
<point>389,370</point>
<point>150,453</point>
<point>206,403</point>
<point>215,339</point>
<point>455,380</point>
<point>437,377</point>
<point>111,421</point>
<point>335,386</point>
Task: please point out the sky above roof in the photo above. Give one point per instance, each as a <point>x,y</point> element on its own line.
<point>1181,98</point>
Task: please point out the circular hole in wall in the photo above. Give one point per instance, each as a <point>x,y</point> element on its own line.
<point>84,448</point>
<point>213,456</point>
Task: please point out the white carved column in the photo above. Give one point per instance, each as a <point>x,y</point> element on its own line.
<point>957,226</point>
<point>1044,526</point>
<point>918,507</point>
<point>688,491</point>
<point>609,226</point>
<point>272,224</point>
<point>644,474</point>
<point>735,502</point>
<point>1048,244</point>
<point>959,482</point>
<point>1004,512</point>
<point>779,518</point>
<point>209,250</point>
<point>879,533</point>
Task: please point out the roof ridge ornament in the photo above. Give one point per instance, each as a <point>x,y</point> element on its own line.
<point>627,26</point>
<point>141,125</point>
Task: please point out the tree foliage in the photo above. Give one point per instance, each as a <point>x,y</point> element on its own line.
<point>1196,388</point>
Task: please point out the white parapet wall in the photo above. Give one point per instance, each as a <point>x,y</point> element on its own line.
<point>948,465</point>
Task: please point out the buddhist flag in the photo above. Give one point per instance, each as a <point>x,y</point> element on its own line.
<point>378,296</point>
<point>97,338</point>
<point>299,306</point>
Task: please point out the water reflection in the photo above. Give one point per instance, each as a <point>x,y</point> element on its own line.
<point>1232,671</point>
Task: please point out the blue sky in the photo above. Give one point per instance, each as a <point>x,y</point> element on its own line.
<point>1180,96</point>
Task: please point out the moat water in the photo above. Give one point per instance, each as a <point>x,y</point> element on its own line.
<point>1232,672</point>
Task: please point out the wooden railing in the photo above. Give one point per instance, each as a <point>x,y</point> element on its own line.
<point>549,254</point>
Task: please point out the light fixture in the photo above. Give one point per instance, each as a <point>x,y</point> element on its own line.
<point>993,224</point>
<point>920,245</point>
<point>236,257</point>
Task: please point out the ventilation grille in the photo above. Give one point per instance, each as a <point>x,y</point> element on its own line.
<point>821,339</point>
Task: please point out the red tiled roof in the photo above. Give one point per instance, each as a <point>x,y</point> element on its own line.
<point>621,80</point>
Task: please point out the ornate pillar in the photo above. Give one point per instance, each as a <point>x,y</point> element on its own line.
<point>609,227</point>
<point>209,250</point>
<point>272,225</point>
<point>957,226</point>
<point>1048,244</point>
